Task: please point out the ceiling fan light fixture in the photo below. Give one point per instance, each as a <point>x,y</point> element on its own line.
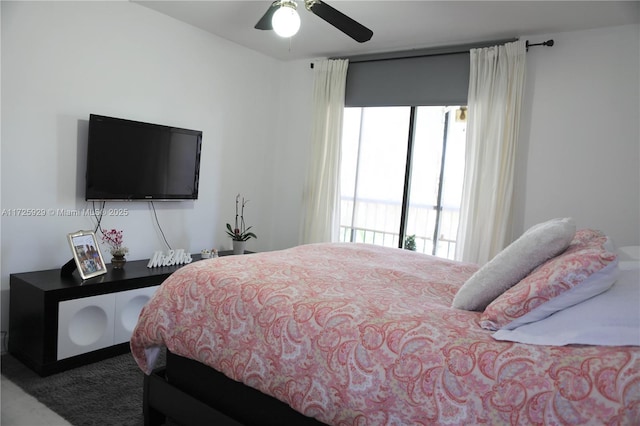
<point>286,21</point>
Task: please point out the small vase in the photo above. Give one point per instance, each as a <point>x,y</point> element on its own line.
<point>118,261</point>
<point>238,247</point>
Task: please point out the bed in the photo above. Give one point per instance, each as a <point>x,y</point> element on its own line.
<point>357,334</point>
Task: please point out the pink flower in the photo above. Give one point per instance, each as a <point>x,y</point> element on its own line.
<point>113,238</point>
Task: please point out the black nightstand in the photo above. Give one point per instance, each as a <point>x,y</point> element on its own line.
<point>60,322</point>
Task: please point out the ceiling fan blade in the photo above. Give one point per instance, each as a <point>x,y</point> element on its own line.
<point>353,29</point>
<point>265,22</point>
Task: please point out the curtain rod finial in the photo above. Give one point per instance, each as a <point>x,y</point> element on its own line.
<point>544,43</point>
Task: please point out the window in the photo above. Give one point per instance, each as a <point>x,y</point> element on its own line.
<point>401,175</point>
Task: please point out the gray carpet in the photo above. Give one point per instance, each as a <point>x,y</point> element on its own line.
<point>107,392</point>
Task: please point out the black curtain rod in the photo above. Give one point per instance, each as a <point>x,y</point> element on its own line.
<point>434,51</point>
<point>544,43</point>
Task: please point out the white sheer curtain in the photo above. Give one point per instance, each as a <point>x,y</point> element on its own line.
<point>321,203</point>
<point>496,87</point>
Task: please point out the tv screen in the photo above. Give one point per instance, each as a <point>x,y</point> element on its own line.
<point>131,160</point>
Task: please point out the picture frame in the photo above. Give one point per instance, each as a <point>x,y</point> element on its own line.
<point>86,254</point>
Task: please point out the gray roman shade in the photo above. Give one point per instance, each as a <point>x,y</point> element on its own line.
<point>436,76</point>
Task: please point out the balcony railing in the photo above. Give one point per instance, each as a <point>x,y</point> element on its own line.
<point>378,222</point>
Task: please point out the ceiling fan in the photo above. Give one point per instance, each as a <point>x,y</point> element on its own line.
<point>284,19</point>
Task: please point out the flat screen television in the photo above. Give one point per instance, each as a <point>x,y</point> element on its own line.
<point>131,160</point>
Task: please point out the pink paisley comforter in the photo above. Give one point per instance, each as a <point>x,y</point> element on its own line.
<point>355,334</point>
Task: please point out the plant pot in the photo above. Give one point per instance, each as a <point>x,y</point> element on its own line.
<point>239,246</point>
<point>118,261</point>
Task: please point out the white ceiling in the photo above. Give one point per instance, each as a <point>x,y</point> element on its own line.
<point>396,25</point>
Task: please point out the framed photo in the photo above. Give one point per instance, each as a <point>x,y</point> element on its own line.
<point>87,254</point>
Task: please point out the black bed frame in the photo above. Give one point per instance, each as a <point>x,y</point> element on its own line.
<point>187,392</point>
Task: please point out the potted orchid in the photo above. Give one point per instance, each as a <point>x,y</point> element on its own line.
<point>114,239</point>
<point>240,234</point>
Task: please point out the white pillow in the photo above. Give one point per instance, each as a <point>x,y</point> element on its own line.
<point>538,244</point>
<point>611,318</point>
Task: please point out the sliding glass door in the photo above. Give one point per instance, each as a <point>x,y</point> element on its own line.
<point>401,176</point>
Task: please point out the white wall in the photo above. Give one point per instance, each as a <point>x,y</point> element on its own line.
<point>62,61</point>
<point>580,137</point>
<point>293,147</point>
